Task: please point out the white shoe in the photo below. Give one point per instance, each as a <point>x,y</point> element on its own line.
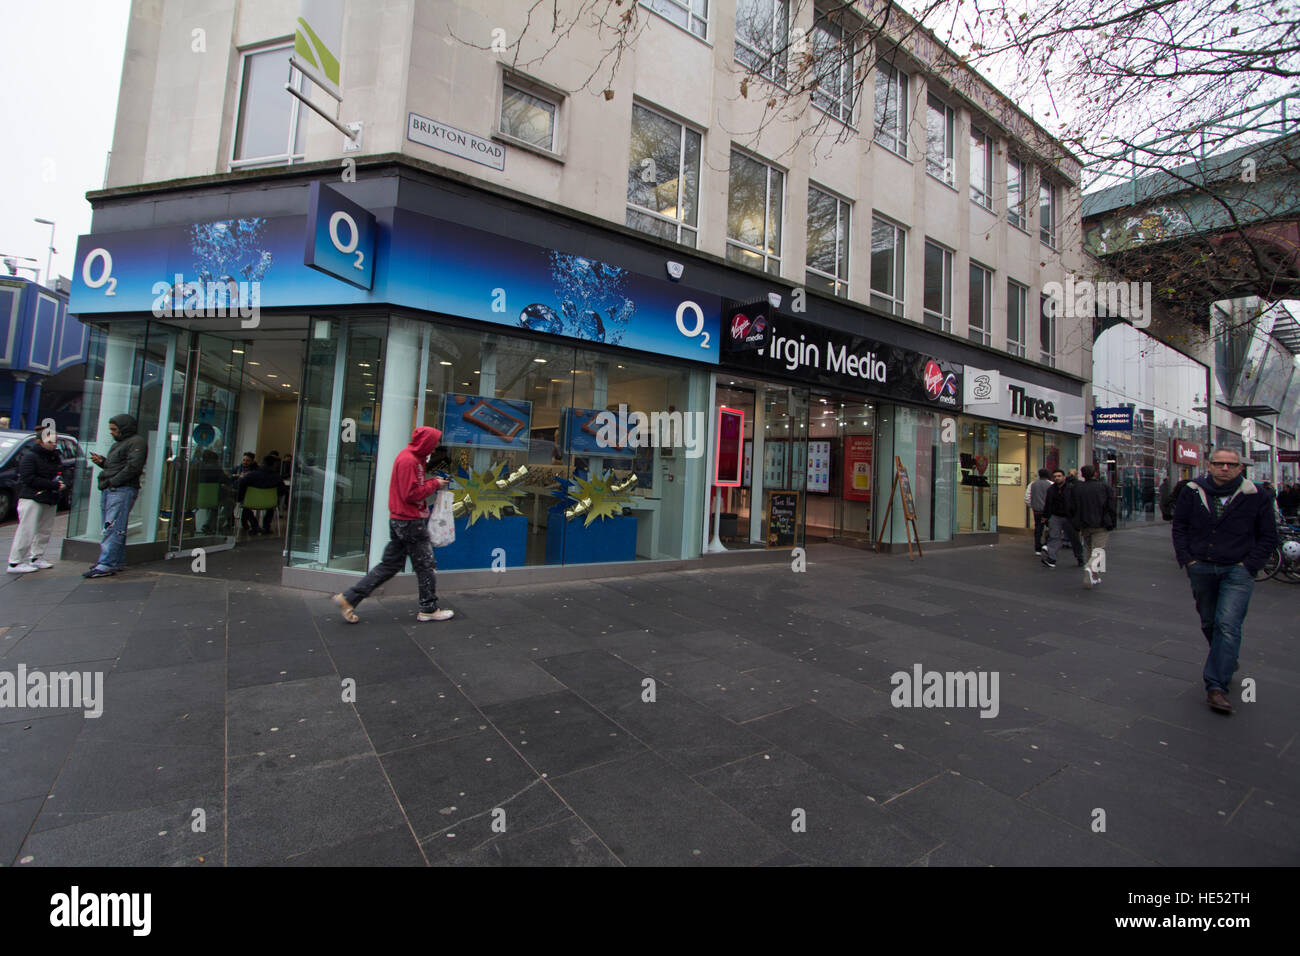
<point>23,568</point>
<point>442,614</point>
<point>1088,580</point>
<point>41,563</point>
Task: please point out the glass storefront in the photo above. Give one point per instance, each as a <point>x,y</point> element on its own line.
<point>915,437</point>
<point>1167,392</point>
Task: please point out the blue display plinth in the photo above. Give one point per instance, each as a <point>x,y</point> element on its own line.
<point>576,542</point>
<point>475,543</point>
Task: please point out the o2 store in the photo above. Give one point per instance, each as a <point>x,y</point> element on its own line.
<point>325,322</point>
<point>835,399</point>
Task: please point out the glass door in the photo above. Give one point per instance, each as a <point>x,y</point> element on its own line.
<point>197,506</point>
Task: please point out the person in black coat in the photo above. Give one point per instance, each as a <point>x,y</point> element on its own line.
<point>40,484</point>
<point>1223,533</point>
<point>1059,527</point>
<point>268,476</point>
<point>1092,512</point>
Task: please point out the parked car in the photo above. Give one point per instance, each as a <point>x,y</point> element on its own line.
<point>11,445</point>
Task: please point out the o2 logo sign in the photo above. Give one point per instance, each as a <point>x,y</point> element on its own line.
<point>340,237</point>
<point>695,331</point>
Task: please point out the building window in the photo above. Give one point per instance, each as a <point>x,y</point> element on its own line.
<point>981,168</point>
<point>891,108</point>
<point>1047,330</point>
<point>980,304</point>
<point>663,177</point>
<point>1017,308</point>
<point>940,122</point>
<point>828,242</point>
<point>529,113</point>
<point>1047,211</point>
<point>938,287</point>
<point>1016,192</point>
<point>833,62</point>
<point>888,259</point>
<point>762,37</point>
<point>269,130</point>
<point>690,15</point>
<point>754,204</point>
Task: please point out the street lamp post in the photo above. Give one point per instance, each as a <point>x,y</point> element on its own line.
<point>49,258</point>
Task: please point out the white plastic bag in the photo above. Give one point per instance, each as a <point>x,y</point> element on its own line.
<point>442,526</point>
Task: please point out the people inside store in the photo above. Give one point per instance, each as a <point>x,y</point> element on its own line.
<point>212,474</point>
<point>268,476</point>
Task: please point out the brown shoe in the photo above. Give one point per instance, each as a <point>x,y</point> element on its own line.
<point>1218,701</point>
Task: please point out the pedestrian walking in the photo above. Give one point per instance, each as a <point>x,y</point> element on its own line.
<point>408,512</point>
<point>40,484</point>
<point>119,485</point>
<point>1059,528</point>
<point>1092,512</point>
<point>1036,498</point>
<point>1223,533</point>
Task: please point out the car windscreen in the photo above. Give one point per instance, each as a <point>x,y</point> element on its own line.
<point>8,445</point>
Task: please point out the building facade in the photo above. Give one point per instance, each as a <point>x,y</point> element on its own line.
<point>536,271</point>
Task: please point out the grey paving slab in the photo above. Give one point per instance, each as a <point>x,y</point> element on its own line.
<point>391,846</point>
<point>861,757</point>
<point>568,842</point>
<point>51,646</point>
<point>304,720</point>
<point>16,819</point>
<point>146,649</point>
<point>156,835</point>
<point>650,815</point>
<point>277,663</point>
<point>738,696</point>
<point>32,753</point>
<point>560,733</point>
<point>495,675</point>
<point>814,815</point>
<point>414,711</point>
<point>102,777</point>
<point>1003,831</point>
<point>119,591</point>
<point>277,810</point>
<point>475,786</point>
<point>369,659</point>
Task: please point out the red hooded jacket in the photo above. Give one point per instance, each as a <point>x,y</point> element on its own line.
<point>408,488</point>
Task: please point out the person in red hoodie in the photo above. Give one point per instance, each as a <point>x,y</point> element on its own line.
<point>407,513</point>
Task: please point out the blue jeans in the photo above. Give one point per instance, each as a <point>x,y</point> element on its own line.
<point>116,504</point>
<point>1222,593</point>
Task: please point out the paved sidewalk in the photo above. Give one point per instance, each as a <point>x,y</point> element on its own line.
<point>224,703</point>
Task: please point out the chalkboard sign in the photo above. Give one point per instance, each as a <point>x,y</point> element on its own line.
<point>909,506</point>
<point>782,518</point>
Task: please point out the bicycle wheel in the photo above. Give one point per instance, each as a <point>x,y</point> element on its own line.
<point>1271,566</point>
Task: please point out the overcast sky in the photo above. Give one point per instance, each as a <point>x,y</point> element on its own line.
<point>60,67</point>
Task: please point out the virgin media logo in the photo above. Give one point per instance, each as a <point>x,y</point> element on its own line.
<point>739,325</point>
<point>940,386</point>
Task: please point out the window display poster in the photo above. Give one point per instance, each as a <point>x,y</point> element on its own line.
<point>749,463</point>
<point>581,429</point>
<point>482,422</point>
<point>819,466</point>
<point>1009,473</point>
<point>773,463</point>
<point>858,452</point>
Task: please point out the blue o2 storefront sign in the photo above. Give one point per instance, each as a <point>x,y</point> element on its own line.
<point>340,237</point>
<point>414,260</point>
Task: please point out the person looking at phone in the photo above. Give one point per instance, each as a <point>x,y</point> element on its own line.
<point>119,485</point>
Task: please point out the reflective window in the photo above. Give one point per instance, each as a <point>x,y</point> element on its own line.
<point>527,116</point>
<point>891,108</point>
<point>828,242</point>
<point>763,37</point>
<point>888,247</point>
<point>1016,192</point>
<point>691,15</point>
<point>663,177</point>
<point>754,209</point>
<point>1017,306</point>
<point>1046,211</point>
<point>980,304</point>
<point>938,287</point>
<point>981,168</point>
<point>940,122</point>
<point>269,129</point>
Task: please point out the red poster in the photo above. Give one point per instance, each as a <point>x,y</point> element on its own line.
<point>857,467</point>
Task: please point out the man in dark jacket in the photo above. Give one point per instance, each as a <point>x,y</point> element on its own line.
<point>268,476</point>
<point>1059,528</point>
<point>39,487</point>
<point>1223,533</point>
<point>408,490</point>
<point>119,484</point>
<point>1092,512</point>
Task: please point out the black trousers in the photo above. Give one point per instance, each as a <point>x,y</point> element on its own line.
<point>409,539</point>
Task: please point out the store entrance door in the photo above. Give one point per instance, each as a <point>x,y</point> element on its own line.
<point>197,506</point>
<point>841,462</point>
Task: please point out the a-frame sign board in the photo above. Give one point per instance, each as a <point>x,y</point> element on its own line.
<point>904,487</point>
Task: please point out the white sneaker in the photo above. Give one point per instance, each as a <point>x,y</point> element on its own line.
<point>1088,580</point>
<point>23,568</point>
<point>442,614</point>
<point>41,563</point>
